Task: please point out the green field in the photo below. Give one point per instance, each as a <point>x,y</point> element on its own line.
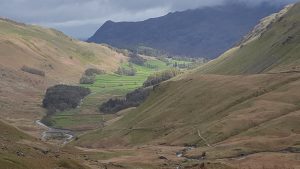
<point>120,84</point>
<point>109,85</point>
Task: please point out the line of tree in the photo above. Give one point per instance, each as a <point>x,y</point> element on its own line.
<point>150,66</point>
<point>136,59</point>
<point>194,62</point>
<point>93,71</point>
<point>89,75</point>
<point>183,65</point>
<point>87,79</point>
<point>159,77</point>
<point>126,71</point>
<point>143,50</point>
<point>132,99</point>
<point>186,59</point>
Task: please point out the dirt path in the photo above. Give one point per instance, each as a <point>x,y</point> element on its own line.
<point>147,154</point>
<point>205,141</point>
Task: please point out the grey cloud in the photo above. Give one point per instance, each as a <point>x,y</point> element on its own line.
<point>80,18</point>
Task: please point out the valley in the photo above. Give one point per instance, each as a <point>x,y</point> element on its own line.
<point>46,50</point>
<point>87,116</point>
<point>69,104</point>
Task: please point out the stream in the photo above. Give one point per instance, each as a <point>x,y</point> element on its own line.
<point>55,134</point>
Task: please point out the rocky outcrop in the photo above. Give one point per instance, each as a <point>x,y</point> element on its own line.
<point>264,25</point>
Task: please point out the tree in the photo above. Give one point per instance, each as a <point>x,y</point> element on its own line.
<point>136,59</point>
<point>159,77</point>
<point>126,71</point>
<point>175,64</point>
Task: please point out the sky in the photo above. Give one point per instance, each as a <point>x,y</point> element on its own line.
<point>81,18</point>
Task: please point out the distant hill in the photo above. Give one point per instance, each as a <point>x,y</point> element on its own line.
<point>205,32</point>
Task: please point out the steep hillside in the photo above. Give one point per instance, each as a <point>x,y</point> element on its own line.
<point>224,116</point>
<point>205,32</point>
<point>218,106</point>
<point>272,47</point>
<point>33,58</point>
<point>246,121</point>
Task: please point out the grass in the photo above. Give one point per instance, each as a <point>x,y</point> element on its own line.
<point>109,154</point>
<point>62,121</point>
<point>13,141</point>
<point>86,117</point>
<point>120,84</point>
<point>60,46</point>
<point>212,104</point>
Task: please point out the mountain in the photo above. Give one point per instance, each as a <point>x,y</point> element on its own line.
<point>242,109</point>
<point>205,32</point>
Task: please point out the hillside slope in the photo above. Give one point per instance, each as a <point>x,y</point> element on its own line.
<point>274,48</point>
<point>235,119</point>
<point>205,32</point>
<point>60,58</point>
<point>51,51</point>
<point>20,151</point>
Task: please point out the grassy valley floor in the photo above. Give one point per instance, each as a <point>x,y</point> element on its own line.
<point>87,116</point>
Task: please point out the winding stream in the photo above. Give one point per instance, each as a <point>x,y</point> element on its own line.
<point>55,134</point>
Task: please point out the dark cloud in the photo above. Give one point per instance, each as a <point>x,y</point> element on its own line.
<point>80,18</point>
